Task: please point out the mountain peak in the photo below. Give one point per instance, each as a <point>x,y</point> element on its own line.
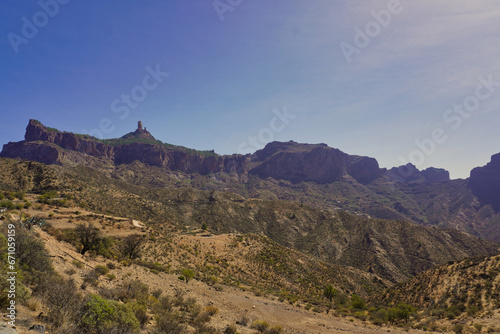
<point>140,132</point>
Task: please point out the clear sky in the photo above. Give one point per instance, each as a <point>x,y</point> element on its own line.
<point>400,81</point>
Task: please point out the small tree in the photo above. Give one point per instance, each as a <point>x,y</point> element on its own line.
<point>88,236</point>
<point>330,292</point>
<point>188,274</point>
<point>357,302</point>
<point>131,246</point>
<point>404,311</point>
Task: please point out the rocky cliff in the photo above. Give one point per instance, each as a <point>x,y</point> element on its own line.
<point>410,174</point>
<point>288,161</point>
<point>52,146</point>
<point>485,182</point>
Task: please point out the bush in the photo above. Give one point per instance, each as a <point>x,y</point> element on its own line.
<point>133,290</point>
<point>202,318</point>
<point>401,312</point>
<point>131,246</point>
<point>275,330</point>
<point>140,311</point>
<point>358,302</point>
<point>78,264</point>
<point>61,298</point>
<point>458,328</point>
<point>88,236</point>
<point>101,270</point>
<point>231,329</point>
<point>167,323</point>
<point>244,320</point>
<point>157,293</point>
<point>111,265</point>
<point>330,292</point>
<point>212,310</point>
<point>101,316</point>
<point>379,317</point>
<point>260,325</point>
<point>188,274</point>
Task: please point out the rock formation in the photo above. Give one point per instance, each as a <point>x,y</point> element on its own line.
<point>485,182</point>
<point>410,174</point>
<point>288,161</point>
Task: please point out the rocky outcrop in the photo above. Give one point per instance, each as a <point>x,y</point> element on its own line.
<point>300,162</point>
<point>40,151</point>
<point>363,169</point>
<point>485,182</point>
<point>435,175</point>
<point>51,146</point>
<point>410,174</point>
<point>36,131</point>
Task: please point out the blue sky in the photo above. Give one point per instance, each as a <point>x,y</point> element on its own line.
<point>396,80</point>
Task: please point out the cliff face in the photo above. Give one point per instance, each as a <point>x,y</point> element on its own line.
<point>300,162</point>
<point>410,174</point>
<point>363,169</point>
<point>288,161</point>
<point>48,146</point>
<point>485,182</point>
<point>36,131</point>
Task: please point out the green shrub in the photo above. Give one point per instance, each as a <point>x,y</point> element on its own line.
<point>78,264</point>
<point>360,315</point>
<point>275,330</point>
<point>167,323</point>
<point>102,316</point>
<point>231,329</point>
<point>379,317</point>
<point>101,270</point>
<point>358,302</point>
<point>188,274</point>
<point>212,310</point>
<point>260,325</point>
<point>458,328</point>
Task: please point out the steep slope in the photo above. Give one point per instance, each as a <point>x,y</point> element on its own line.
<point>485,182</point>
<point>471,285</point>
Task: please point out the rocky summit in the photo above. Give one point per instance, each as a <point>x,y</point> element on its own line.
<point>485,182</point>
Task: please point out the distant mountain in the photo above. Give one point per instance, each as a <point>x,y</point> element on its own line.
<point>485,182</point>
<point>288,161</point>
<point>314,174</point>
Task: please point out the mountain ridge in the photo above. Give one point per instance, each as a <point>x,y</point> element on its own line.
<point>315,174</point>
